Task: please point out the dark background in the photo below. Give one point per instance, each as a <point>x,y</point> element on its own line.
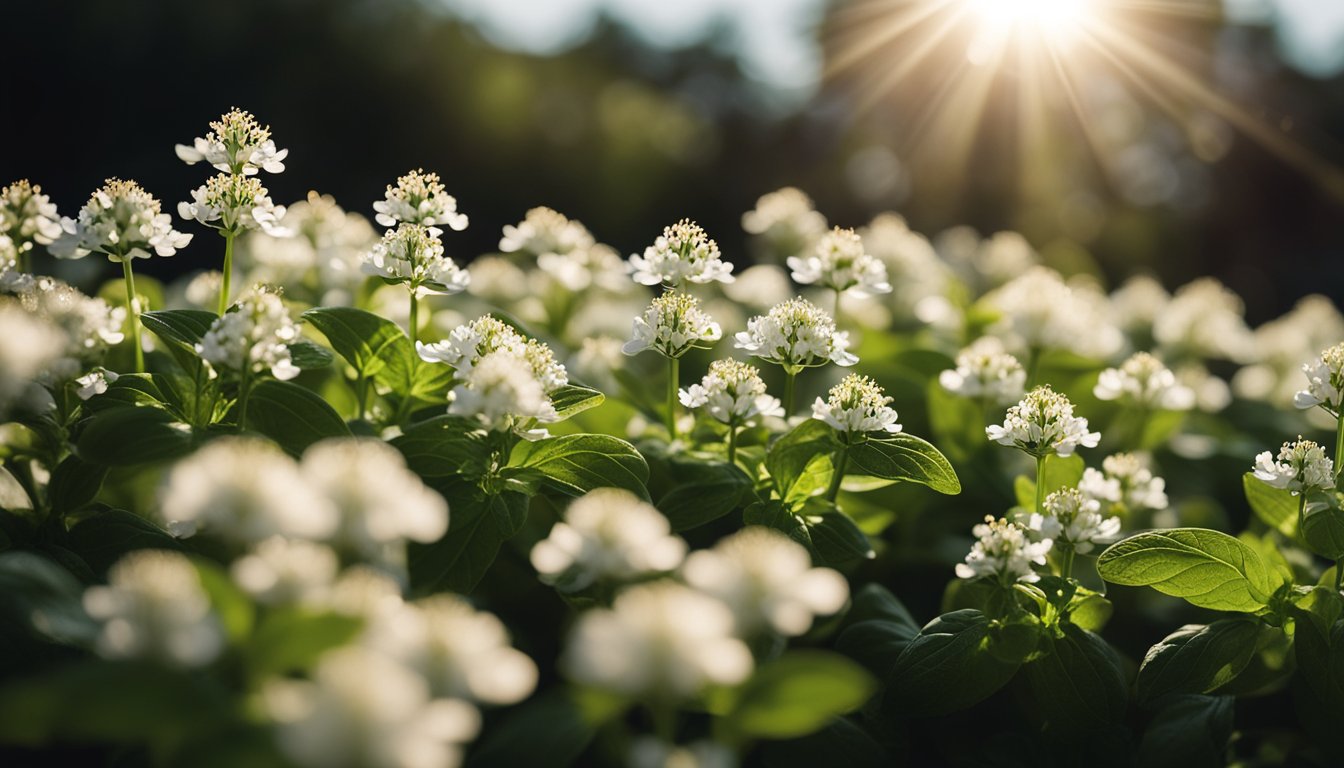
<point>628,138</point>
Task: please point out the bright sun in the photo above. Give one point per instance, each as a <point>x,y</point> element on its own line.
<point>1055,20</point>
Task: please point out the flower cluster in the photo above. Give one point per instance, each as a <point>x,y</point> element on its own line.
<point>1143,380</point>
<point>1301,467</point>
<point>122,221</point>
<point>673,325</point>
<point>857,405</point>
<point>233,203</point>
<point>419,198</point>
<point>608,535</point>
<point>1039,311</point>
<point>796,334</point>
<point>1043,423</point>
<point>544,231</point>
<point>1073,520</point>
<point>322,264</point>
<point>413,254</point>
<point>236,144</point>
<point>682,253</point>
<point>26,217</point>
<point>1003,550</point>
<point>984,371</point>
<point>1204,319</point>
<point>1325,381</point>
<point>733,393</point>
<point>787,220</point>
<point>27,347</point>
<point>1125,479</point>
<point>841,263</point>
<point>90,326</point>
<point>252,337</point>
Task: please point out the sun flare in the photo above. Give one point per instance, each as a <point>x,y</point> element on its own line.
<point>1054,20</point>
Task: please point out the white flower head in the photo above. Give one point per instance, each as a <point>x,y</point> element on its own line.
<point>502,391</point>
<point>252,337</point>
<point>1125,479</point>
<point>608,534</point>
<point>1302,466</point>
<point>682,253</point>
<point>768,581</point>
<point>1039,310</point>
<point>413,254</point>
<point>281,570</point>
<point>419,198</point>
<point>786,220</point>
<point>919,278</point>
<point>796,334</point>
<point>659,639</point>
<point>673,325</point>
<point>1043,423</point>
<point>94,382</point>
<point>985,371</point>
<point>1004,551</point>
<point>154,607</point>
<point>468,344</point>
<point>855,406</point>
<point>1144,381</point>
<point>733,393</point>
<point>1325,381</point>
<point>1204,319</point>
<point>1072,519</point>
<point>27,216</point>
<point>91,326</point>
<point>122,221</point>
<point>234,203</point>
<point>244,490</point>
<point>545,231</point>
<point>237,143</point>
<point>842,263</point>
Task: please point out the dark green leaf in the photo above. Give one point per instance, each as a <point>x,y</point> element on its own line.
<point>1275,507</point>
<point>292,639</point>
<point>906,458</point>
<point>1323,525</point>
<point>74,483</point>
<point>576,464</point>
<point>571,399</point>
<point>550,729</point>
<point>445,446</point>
<point>1188,731</point>
<point>790,455</point>
<point>180,330</point>
<point>836,540</point>
<point>948,667</point>
<point>712,491</point>
<point>44,598</point>
<point>292,416</point>
<point>458,560</point>
<point>102,538</point>
<point>509,511</point>
<point>797,694</point>
<point>839,743</point>
<point>1077,682</point>
<point>130,389</point>
<point>362,338</point>
<point>1208,568</point>
<point>1197,658</point>
<point>122,437</point>
<point>308,356</point>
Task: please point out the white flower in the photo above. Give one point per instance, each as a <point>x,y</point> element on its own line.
<point>1144,381</point>
<point>1125,479</point>
<point>1004,551</point>
<point>659,639</point>
<point>768,581</point>
<point>154,607</point>
<point>364,710</point>
<point>857,405</point>
<point>501,391</point>
<point>27,216</point>
<point>419,198</point>
<point>608,534</point>
<point>786,220</point>
<point>841,263</point>
<point>234,203</point>
<point>245,490</point>
<point>795,334</point>
<point>1073,520</point>
<point>683,252</point>
<point>90,325</point>
<point>651,752</point>
<point>94,383</point>
<point>122,221</point>
<point>1282,344</point>
<point>1302,466</point>
<point>468,344</point>
<point>1043,423</point>
<point>252,337</point>
<point>1205,319</point>
<point>1325,381</point>
<point>913,267</point>
<point>1039,311</point>
<point>673,325</point>
<point>733,393</point>
<point>237,143</point>
<point>985,371</point>
<point>322,264</point>
<point>545,231</point>
<point>413,254</point>
<point>281,570</point>
<point>1136,305</point>
<point>379,502</point>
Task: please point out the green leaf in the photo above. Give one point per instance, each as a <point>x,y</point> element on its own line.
<point>1063,472</point>
<point>906,458</point>
<point>957,422</point>
<point>1275,507</point>
<point>1197,658</point>
<point>1077,682</point>
<point>104,537</point>
<point>292,416</point>
<point>813,480</point>
<point>712,491</point>
<point>74,483</point>
<point>362,338</point>
<point>1188,731</point>
<point>1323,525</point>
<point>291,639</point>
<point>509,511</point>
<point>572,399</point>
<point>788,458</point>
<point>44,599</point>
<point>130,389</point>
<point>445,446</point>
<point>948,667</point>
<point>877,629</point>
<point>839,743</point>
<point>12,495</point>
<point>458,560</point>
<point>235,611</point>
<point>308,356</point>
<point>550,729</point>
<point>180,330</point>
<point>1207,568</point>
<point>836,539</point>
<point>123,437</point>
<point>576,464</point>
<point>797,694</point>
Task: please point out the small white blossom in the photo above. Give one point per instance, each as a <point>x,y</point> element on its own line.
<point>281,570</point>
<point>1204,319</point>
<point>597,359</point>
<point>322,264</point>
<point>607,534</point>
<point>26,217</point>
<point>658,639</point>
<point>683,252</point>
<point>1281,345</point>
<point>651,752</point>
<point>122,221</point>
<point>234,203</point>
<point>1144,381</point>
<point>786,220</point>
<point>28,346</point>
<point>545,231</point>
<point>413,254</point>
<point>1039,311</point>
<point>1125,479</point>
<point>419,198</point>
<point>466,345</point>
<point>501,391</point>
<point>857,405</point>
<point>1302,466</point>
<point>1043,423</point>
<point>841,263</point>
<point>733,393</point>
<point>237,143</point>
<point>985,371</point>
<point>154,607</point>
<point>768,581</point>
<point>1325,381</point>
<point>1136,305</point>
<point>91,326</point>
<point>673,325</point>
<point>1073,520</point>
<point>252,337</point>
<point>918,276</point>
<point>94,383</point>
<point>796,334</point>
<point>1003,550</point>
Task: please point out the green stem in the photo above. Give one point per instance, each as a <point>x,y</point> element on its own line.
<point>1033,363</point>
<point>361,394</point>
<point>664,721</point>
<point>789,377</point>
<point>133,308</point>
<point>1301,508</point>
<point>673,379</point>
<point>1339,446</point>
<point>244,389</point>
<point>839,475</point>
<point>22,264</point>
<point>836,315</point>
<point>732,443</point>
<point>1066,567</point>
<point>415,318</point>
<point>227,276</point>
<point>1040,485</point>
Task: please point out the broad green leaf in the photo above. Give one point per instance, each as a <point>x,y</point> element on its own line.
<point>1207,568</point>
<point>308,356</point>
<point>292,416</point>
<point>130,389</point>
<point>906,458</point>
<point>877,643</point>
<point>550,729</point>
<point>180,330</point>
<point>773,514</point>
<point>74,483</point>
<point>234,609</point>
<point>292,639</point>
<point>576,464</point>
<point>362,338</point>
<point>797,694</point>
<point>123,437</point>
<point>458,560</point>
<point>1188,731</point>
<point>711,491</point>
<point>957,422</point>
<point>948,667</point>
<point>874,602</point>
<point>1063,472</point>
<point>1275,507</point>
<point>813,480</point>
<point>790,455</point>
<point>1197,658</point>
<point>12,495</point>
<point>44,599</point>
<point>1323,525</point>
<point>836,540</point>
<point>1077,681</point>
<point>572,399</point>
<point>444,446</point>
<point>103,537</point>
<point>509,511</point>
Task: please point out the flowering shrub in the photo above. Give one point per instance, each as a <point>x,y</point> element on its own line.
<point>389,506</point>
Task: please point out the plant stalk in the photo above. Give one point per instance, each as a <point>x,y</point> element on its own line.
<point>841,462</point>
<point>1040,485</point>
<point>732,443</point>
<point>1339,446</point>
<point>133,307</point>
<point>673,379</point>
<point>244,389</point>
<point>227,277</point>
<point>789,378</point>
<point>415,319</point>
